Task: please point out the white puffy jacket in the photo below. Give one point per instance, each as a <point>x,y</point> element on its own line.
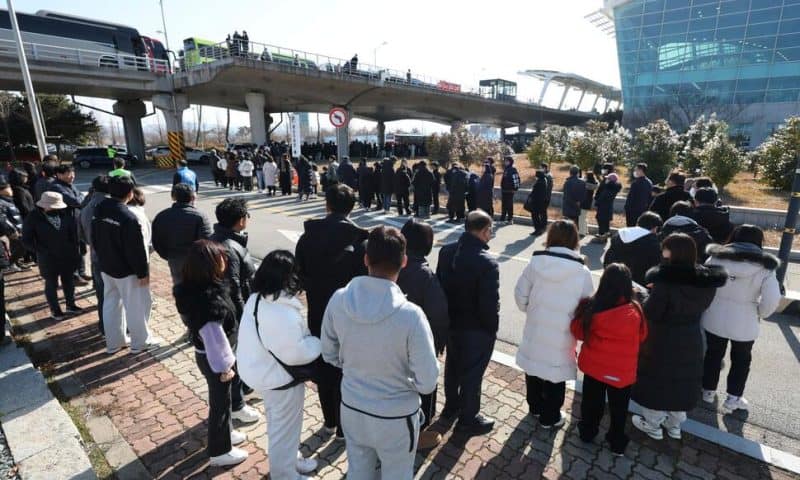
<point>283,331</point>
<point>270,170</point>
<point>548,291</point>
<point>750,294</point>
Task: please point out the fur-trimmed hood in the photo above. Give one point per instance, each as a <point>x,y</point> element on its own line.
<point>744,252</point>
<point>699,276</point>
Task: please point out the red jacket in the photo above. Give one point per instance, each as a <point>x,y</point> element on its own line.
<point>612,350</point>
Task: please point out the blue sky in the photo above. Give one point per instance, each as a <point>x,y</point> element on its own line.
<point>446,39</point>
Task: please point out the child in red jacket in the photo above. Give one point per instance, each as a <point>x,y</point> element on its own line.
<point>612,326</point>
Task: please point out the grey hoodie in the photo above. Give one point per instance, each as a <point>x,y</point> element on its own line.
<point>384,346</point>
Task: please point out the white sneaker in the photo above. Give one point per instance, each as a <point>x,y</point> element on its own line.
<point>653,432</point>
<point>305,465</point>
<point>237,437</point>
<point>735,403</point>
<point>673,432</point>
<point>151,344</point>
<point>247,414</point>
<point>709,396</point>
<point>234,457</point>
<point>558,424</point>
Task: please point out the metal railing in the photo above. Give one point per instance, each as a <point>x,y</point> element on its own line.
<point>261,52</point>
<point>75,56</point>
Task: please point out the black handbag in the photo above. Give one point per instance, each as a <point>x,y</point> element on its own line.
<point>299,373</point>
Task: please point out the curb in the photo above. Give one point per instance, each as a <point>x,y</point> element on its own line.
<point>43,440</point>
<point>758,451</point>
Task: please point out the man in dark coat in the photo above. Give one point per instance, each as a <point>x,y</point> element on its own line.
<point>637,247</point>
<point>485,194</point>
<point>604,201</point>
<point>471,281</point>
<point>377,178</point>
<point>365,184</point>
<point>639,195</point>
<point>232,217</point>
<point>674,193</point>
<point>457,191</point>
<point>473,180</point>
<point>64,184</point>
<point>423,190</point>
<point>97,194</point>
<point>717,220</point>
<point>509,184</point>
<point>437,183</point>
<point>536,203</point>
<point>402,184</point>
<point>347,173</point>
<point>574,192</point>
<point>330,253</point>
<point>47,177</point>
<point>681,222</point>
<point>387,182</point>
<point>670,369</point>
<point>549,177</point>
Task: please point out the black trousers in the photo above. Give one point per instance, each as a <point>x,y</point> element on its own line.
<point>402,203</point>
<point>428,406</point>
<point>507,206</point>
<point>435,201</point>
<point>456,212</point>
<point>603,226</point>
<point>219,409</point>
<point>741,355</point>
<point>329,389</point>
<point>631,218</point>
<point>248,183</point>
<point>545,398</point>
<point>539,219</point>
<point>468,355</point>
<point>593,405</point>
<point>51,277</point>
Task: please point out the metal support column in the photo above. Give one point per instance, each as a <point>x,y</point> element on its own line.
<point>544,90</point>
<point>563,97</point>
<point>583,94</point>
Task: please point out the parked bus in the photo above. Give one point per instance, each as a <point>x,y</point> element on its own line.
<point>67,31</point>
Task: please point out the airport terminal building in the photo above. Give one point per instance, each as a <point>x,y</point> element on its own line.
<point>681,58</point>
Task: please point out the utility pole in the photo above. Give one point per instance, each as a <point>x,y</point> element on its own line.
<point>164,24</point>
<point>26,79</point>
<point>789,227</point>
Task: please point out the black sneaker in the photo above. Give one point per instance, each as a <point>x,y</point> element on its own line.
<point>74,310</point>
<point>449,413</point>
<point>480,425</point>
<point>58,316</point>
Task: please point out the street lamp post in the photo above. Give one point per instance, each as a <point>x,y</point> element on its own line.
<point>26,79</point>
<point>375,53</point>
<point>164,24</point>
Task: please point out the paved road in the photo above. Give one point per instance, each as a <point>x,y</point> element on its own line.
<point>772,388</point>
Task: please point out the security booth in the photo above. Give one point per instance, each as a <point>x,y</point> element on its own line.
<point>498,89</point>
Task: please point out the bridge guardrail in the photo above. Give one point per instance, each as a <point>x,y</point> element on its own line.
<point>74,56</point>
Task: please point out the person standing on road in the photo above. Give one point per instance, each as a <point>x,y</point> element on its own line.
<point>203,300</point>
<point>509,184</point>
<point>285,174</point>
<point>24,202</point>
<point>365,184</point>
<point>347,173</point>
<point>714,218</point>
<point>64,184</point>
<point>423,190</point>
<point>330,253</point>
<point>536,204</point>
<point>574,193</point>
<point>270,169</point>
<point>457,181</point>
<point>5,252</point>
<point>751,293</point>
<point>604,200</point>
<point>52,233</point>
<point>304,175</point>
<point>639,195</point>
<point>246,168</point>
<point>97,194</point>
<point>421,287</point>
<point>258,169</point>
<point>611,325</point>
<point>46,177</point>
<point>638,248</point>
<point>680,221</point>
<point>549,178</point>
<point>232,172</point>
<point>185,175</point>
<point>674,193</point>
<point>232,217</point>
<point>176,228</point>
<point>670,371</point>
<point>548,291</point>
<point>272,334</point>
<point>586,204</point>
<point>216,172</point>
<point>401,187</point>
<point>136,206</point>
<point>437,185</point>
<point>385,349</point>
<point>485,194</point>
<point>117,237</point>
<point>222,169</point>
<point>471,280</point>
<point>119,170</point>
<point>387,182</point>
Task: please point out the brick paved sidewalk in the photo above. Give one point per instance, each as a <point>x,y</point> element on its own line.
<point>157,401</point>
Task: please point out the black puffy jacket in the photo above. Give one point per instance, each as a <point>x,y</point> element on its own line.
<point>717,220</point>
<point>639,254</point>
<point>423,186</point>
<point>176,228</point>
<point>241,266</point>
<point>670,367</point>
<point>664,201</point>
<point>387,177</point>
<point>117,240</point>
<point>422,288</point>
<point>470,278</point>
<point>199,305</point>
<point>401,182</point>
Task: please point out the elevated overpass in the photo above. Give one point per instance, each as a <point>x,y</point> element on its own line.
<point>262,85</point>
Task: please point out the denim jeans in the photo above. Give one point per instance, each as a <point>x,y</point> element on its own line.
<point>387,202</point>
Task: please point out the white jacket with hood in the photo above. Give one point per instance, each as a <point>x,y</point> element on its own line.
<point>384,346</point>
<point>750,294</point>
<point>548,291</point>
<point>283,331</point>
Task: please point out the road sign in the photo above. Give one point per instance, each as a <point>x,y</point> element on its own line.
<point>338,117</point>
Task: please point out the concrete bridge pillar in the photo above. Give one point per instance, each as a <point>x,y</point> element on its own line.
<point>502,133</point>
<point>172,107</point>
<point>258,126</point>
<point>381,135</point>
<point>343,139</point>
<point>267,124</point>
<point>132,112</point>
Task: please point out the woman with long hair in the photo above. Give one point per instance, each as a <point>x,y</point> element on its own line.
<point>670,370</point>
<point>204,301</point>
<point>273,337</point>
<point>611,325</point>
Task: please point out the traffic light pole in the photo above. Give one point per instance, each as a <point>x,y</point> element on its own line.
<point>789,227</point>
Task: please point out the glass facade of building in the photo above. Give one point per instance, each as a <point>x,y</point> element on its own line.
<point>720,53</point>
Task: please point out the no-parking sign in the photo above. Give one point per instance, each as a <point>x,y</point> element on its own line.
<point>338,117</point>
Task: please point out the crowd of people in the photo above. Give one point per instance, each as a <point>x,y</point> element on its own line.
<point>678,285</point>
